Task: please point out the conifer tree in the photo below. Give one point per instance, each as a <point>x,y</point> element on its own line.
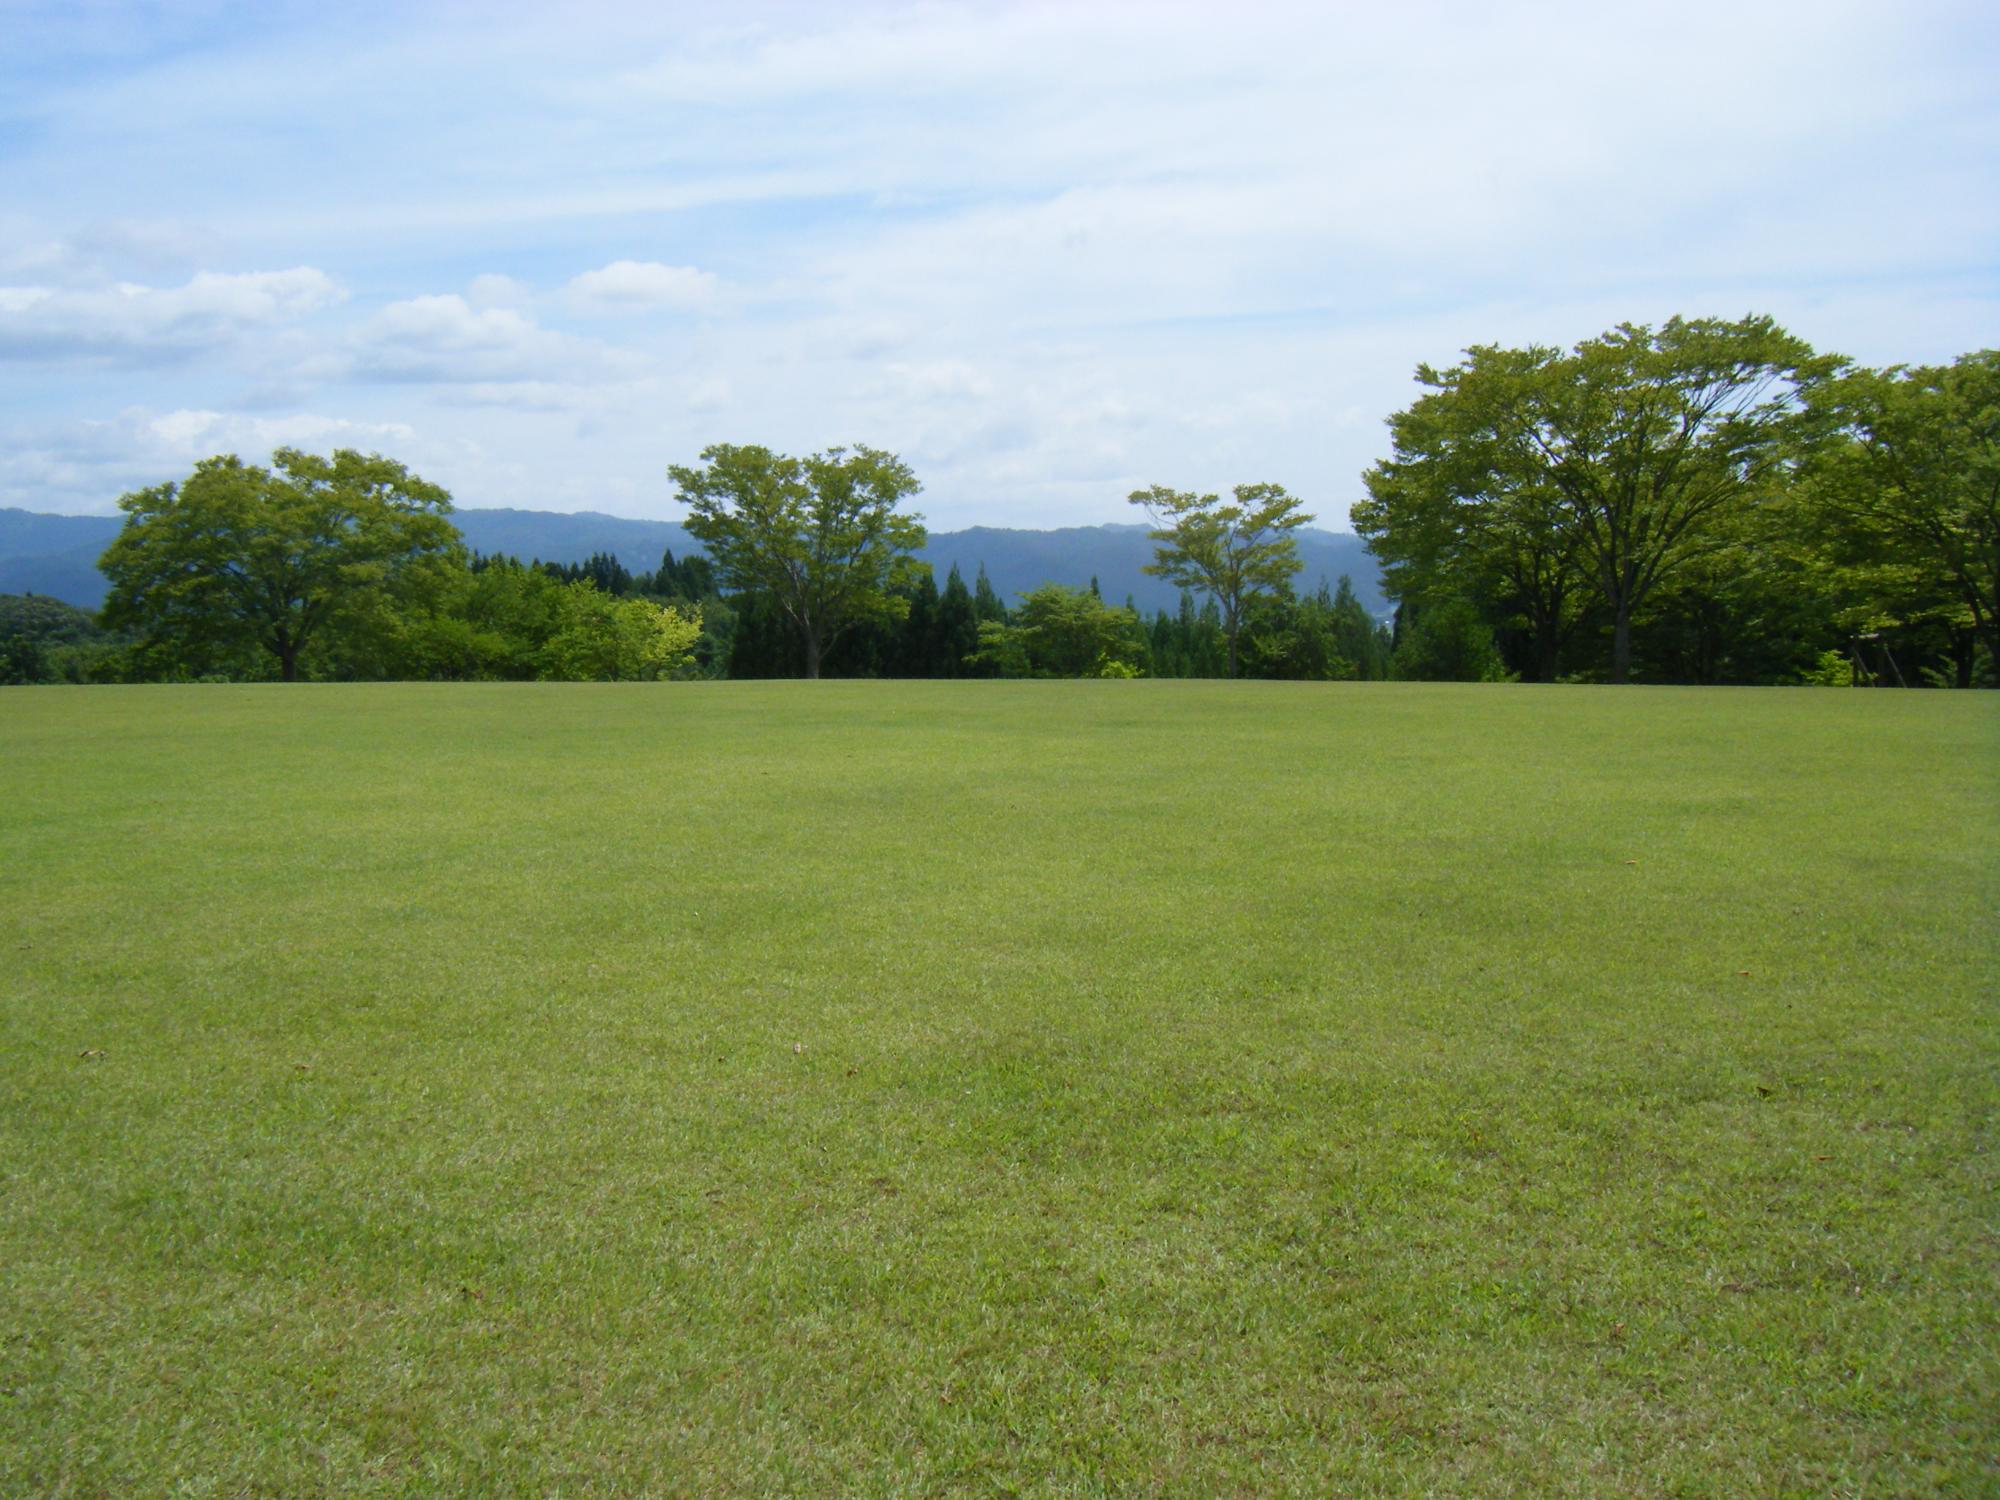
<point>957,626</point>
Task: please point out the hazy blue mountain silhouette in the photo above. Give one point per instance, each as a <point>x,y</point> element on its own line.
<point>57,555</point>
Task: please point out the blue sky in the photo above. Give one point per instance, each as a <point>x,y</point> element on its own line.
<point>1048,253</point>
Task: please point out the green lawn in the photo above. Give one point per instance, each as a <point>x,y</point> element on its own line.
<point>978,1088</point>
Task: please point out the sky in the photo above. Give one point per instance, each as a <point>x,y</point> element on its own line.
<point>1048,254</point>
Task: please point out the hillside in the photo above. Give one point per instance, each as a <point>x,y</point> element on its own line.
<point>57,555</point>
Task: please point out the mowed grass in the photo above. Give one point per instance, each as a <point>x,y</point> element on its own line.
<point>1046,1088</point>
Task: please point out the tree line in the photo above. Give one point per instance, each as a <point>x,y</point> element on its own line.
<point>1708,501</point>
<point>348,568</point>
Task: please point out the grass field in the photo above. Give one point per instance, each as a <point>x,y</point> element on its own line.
<point>998,1089</point>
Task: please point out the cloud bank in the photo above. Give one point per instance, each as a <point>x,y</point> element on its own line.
<point>1049,253</point>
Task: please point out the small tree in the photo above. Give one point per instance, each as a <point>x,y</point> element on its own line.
<point>602,638</point>
<point>1230,551</point>
<point>1064,632</point>
<point>820,537</point>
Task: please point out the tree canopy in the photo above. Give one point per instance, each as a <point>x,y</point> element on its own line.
<point>820,537</point>
<point>1230,550</point>
<point>1617,464</point>
<point>1909,487</point>
<point>238,559</point>
<point>1064,632</point>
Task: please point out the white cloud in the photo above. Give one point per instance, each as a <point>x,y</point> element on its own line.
<point>199,434</point>
<point>524,395</point>
<point>131,323</point>
<point>96,253</point>
<point>1048,251</point>
<point>937,380</point>
<point>634,285</point>
<point>443,339</point>
<point>86,465</point>
<point>492,290</point>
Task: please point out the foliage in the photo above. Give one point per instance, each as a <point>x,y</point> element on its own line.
<point>1621,462</point>
<point>46,640</point>
<point>820,537</point>
<point>1833,669</point>
<point>505,621</point>
<point>238,560</point>
<point>1446,517</point>
<point>1232,551</point>
<point>1910,488</point>
<point>1446,640</point>
<point>600,638</point>
<point>957,625</point>
<point>1064,632</point>
<point>1322,637</point>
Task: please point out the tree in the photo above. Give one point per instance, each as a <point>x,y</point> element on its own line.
<point>1627,453</point>
<point>1449,516</point>
<point>240,559</point>
<point>1915,483</point>
<point>820,537</point>
<point>1357,637</point>
<point>1064,632</point>
<point>600,637</point>
<point>1447,641</point>
<point>958,625</point>
<point>918,649</point>
<point>1232,551</point>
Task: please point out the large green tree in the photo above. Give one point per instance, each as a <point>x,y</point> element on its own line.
<point>1910,489</point>
<point>821,537</point>
<point>1627,457</point>
<point>237,560</point>
<point>1232,550</point>
<point>1450,516</point>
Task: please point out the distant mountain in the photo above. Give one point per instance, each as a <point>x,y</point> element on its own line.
<point>57,555</point>
<point>1017,561</point>
<point>552,536</point>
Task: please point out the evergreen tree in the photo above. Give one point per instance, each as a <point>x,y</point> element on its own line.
<point>764,644</point>
<point>957,626</point>
<point>986,604</point>
<point>920,651</point>
<point>1357,637</point>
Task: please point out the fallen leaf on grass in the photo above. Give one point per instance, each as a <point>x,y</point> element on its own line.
<point>91,1053</point>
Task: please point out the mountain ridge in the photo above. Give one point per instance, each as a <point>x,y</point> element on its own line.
<point>57,555</point>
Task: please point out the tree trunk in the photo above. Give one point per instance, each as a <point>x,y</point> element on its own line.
<point>1546,650</point>
<point>288,663</point>
<point>1621,645</point>
<point>812,655</point>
